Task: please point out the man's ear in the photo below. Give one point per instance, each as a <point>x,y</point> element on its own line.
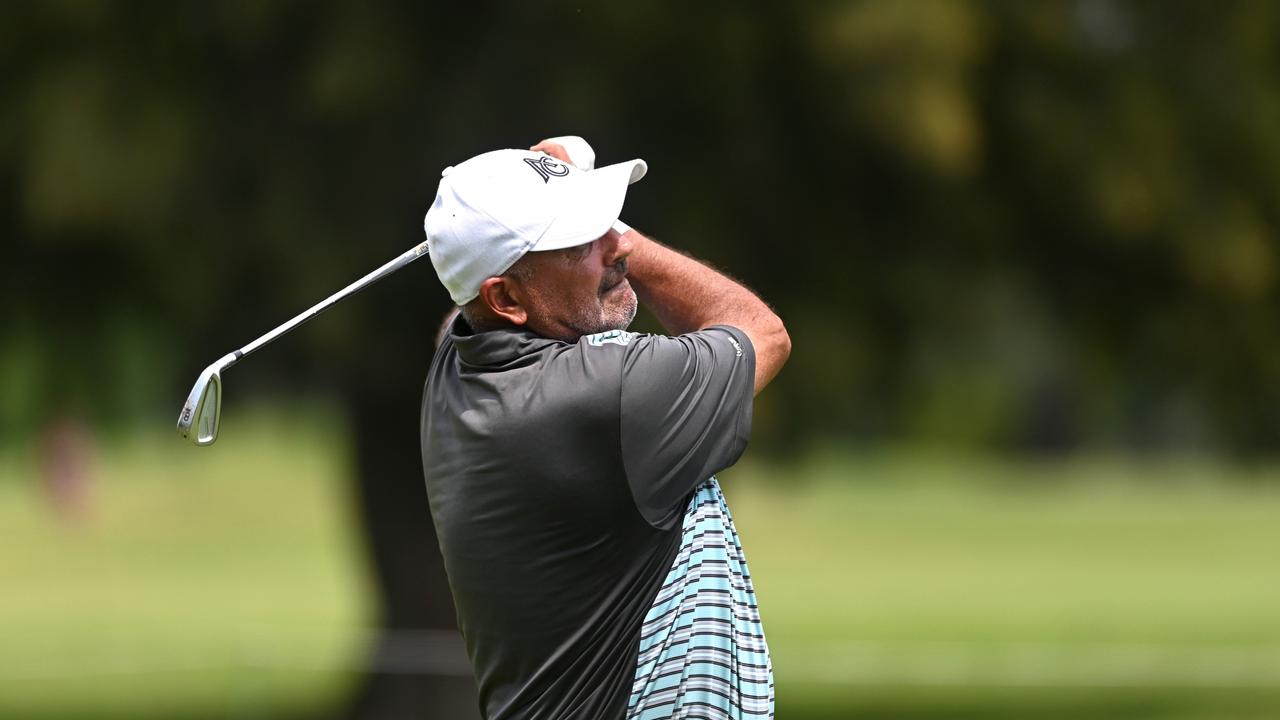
<point>505,299</point>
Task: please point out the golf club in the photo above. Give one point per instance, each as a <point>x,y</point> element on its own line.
<point>205,401</point>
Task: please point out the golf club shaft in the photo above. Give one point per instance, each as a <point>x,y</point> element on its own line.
<point>404,259</point>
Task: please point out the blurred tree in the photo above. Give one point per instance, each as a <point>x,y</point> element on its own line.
<point>1007,225</point>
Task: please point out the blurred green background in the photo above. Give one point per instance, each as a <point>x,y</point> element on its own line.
<point>1024,462</point>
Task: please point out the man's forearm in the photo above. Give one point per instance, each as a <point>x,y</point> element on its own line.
<point>687,295</point>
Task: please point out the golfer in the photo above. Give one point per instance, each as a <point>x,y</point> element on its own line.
<point>570,463</point>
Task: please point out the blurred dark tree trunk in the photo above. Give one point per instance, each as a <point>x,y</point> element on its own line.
<point>418,668</point>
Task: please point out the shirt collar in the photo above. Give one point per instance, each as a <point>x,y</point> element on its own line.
<point>496,348</point>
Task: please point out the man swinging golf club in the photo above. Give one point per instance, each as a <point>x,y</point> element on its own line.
<point>570,463</point>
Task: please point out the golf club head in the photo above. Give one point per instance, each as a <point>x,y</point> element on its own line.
<point>198,421</point>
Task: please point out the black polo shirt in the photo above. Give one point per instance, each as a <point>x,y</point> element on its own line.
<point>557,473</point>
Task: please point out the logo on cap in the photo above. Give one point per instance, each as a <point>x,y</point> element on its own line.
<point>547,168</point>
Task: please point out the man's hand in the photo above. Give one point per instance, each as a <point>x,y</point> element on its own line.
<point>569,148</point>
<point>554,149</point>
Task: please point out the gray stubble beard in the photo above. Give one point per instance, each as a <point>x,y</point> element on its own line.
<point>602,320</point>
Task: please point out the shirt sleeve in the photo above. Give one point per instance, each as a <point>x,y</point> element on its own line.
<point>685,414</point>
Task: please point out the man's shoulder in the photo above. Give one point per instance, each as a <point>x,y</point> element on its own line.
<point>626,338</point>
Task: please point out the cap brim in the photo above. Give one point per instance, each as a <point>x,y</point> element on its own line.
<point>591,202</point>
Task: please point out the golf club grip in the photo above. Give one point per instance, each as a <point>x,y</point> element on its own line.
<point>396,264</point>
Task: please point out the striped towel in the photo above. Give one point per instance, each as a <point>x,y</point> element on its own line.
<point>702,648</point>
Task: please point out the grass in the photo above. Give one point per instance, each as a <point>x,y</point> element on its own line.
<point>217,582</point>
<point>903,586</point>
<point>225,582</point>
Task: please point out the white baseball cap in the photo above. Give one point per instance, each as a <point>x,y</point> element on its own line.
<point>492,209</point>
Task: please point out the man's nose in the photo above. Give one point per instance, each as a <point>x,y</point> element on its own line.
<point>617,246</point>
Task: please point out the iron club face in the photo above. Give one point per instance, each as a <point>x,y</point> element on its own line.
<point>198,421</point>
